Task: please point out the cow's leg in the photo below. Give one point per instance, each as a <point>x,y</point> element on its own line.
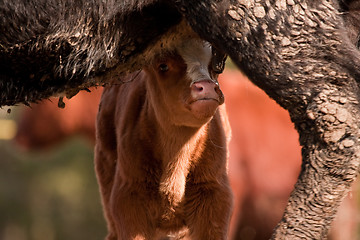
<point>208,210</point>
<point>134,210</point>
<point>105,170</point>
<point>106,156</point>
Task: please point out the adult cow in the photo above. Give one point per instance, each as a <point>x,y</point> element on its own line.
<point>45,125</point>
<point>296,50</point>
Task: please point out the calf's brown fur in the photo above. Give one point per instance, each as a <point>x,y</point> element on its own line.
<point>161,150</point>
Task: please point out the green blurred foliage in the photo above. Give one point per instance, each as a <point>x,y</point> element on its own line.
<point>229,64</point>
<point>51,195</point>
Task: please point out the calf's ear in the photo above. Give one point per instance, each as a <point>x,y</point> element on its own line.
<point>218,60</point>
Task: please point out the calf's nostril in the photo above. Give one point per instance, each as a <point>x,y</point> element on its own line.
<point>197,87</point>
<point>205,89</point>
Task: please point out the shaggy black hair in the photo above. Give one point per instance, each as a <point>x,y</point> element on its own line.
<point>48,47</point>
<point>52,47</point>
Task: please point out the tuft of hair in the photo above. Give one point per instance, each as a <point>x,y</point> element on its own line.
<point>178,35</point>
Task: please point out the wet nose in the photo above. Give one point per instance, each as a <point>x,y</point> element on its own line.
<point>206,89</point>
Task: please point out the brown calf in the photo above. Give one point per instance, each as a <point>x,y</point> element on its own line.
<point>161,150</point>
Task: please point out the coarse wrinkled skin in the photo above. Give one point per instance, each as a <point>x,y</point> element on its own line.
<point>298,51</point>
<point>300,54</point>
<point>161,152</point>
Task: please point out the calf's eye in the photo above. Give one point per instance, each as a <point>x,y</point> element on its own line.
<point>163,67</point>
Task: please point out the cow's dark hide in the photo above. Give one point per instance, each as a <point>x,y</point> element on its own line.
<point>51,47</point>
<point>47,47</point>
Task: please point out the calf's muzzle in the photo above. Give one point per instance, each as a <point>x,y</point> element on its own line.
<point>207,89</point>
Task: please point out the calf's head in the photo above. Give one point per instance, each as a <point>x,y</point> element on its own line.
<point>183,84</point>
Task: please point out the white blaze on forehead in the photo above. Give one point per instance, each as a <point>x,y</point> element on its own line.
<point>197,56</point>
